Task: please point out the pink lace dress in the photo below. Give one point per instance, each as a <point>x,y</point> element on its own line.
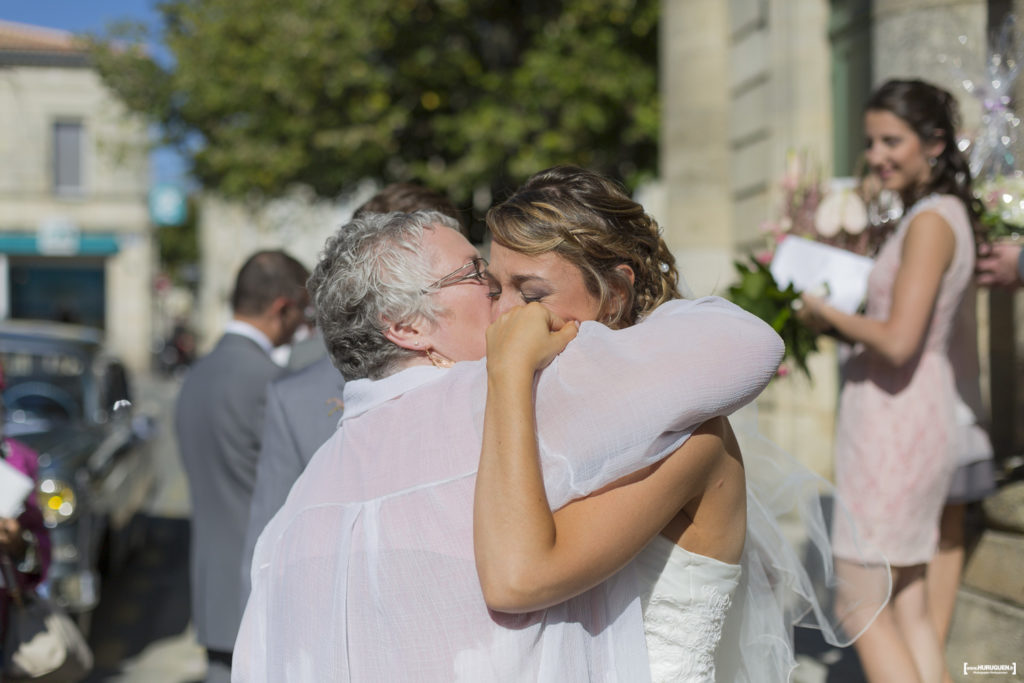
<point>896,434</point>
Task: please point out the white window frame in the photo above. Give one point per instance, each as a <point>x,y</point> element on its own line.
<point>61,165</point>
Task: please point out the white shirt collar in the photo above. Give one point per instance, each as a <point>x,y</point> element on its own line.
<point>363,394</point>
<point>244,329</point>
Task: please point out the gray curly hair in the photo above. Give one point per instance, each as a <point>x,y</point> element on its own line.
<point>371,273</point>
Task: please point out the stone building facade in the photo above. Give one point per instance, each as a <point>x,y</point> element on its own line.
<point>230,231</point>
<point>745,81</point>
<point>75,240</point>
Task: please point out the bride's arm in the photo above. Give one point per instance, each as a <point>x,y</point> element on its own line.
<point>616,401</point>
<point>528,557</point>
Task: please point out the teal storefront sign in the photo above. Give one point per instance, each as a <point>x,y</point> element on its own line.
<point>87,244</point>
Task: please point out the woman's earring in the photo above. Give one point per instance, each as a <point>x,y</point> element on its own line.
<point>438,360</point>
<point>932,161</point>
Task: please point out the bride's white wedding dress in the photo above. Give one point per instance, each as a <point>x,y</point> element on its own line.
<point>685,601</point>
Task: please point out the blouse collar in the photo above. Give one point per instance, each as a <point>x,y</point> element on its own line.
<point>363,394</point>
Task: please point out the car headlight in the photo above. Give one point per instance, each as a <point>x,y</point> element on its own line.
<point>57,500</point>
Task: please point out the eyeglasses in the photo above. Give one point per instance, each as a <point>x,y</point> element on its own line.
<point>474,270</point>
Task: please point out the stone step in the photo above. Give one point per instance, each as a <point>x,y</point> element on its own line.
<point>996,567</point>
<point>985,631</point>
<point>988,624</point>
<point>1005,508</point>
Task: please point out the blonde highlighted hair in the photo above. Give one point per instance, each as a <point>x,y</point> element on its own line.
<point>593,224</point>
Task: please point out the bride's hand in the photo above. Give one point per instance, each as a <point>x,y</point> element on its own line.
<point>526,339</point>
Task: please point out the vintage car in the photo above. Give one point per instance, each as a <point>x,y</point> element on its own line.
<point>69,400</point>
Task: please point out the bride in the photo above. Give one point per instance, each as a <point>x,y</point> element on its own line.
<point>571,246</point>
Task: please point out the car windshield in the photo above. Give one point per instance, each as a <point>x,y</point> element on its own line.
<point>43,386</point>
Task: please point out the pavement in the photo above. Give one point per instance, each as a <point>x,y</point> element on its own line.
<point>141,632</point>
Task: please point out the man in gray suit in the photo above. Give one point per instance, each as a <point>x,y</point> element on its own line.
<point>219,424</point>
<point>303,408</point>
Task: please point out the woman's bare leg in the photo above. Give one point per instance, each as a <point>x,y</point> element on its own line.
<point>884,655</point>
<point>945,569</point>
<point>901,644</point>
<point>913,617</point>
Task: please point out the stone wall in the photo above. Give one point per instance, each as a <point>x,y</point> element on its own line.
<point>229,232</point>
<point>695,159</point>
<point>742,83</point>
<point>923,39</point>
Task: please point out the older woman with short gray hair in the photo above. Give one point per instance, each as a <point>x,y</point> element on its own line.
<point>372,271</point>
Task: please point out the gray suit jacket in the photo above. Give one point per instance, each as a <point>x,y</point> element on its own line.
<point>306,352</point>
<point>219,422</point>
<point>303,409</point>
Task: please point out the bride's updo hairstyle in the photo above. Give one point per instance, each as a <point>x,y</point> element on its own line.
<point>593,224</point>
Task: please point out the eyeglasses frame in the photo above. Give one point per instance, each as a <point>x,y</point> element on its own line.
<point>479,274</point>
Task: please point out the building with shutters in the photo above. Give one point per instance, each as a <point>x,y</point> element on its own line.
<point>75,239</point>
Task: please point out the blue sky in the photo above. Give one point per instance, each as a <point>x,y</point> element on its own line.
<point>93,16</point>
<point>77,15</point>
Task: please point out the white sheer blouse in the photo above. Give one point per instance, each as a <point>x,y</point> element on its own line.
<point>367,572</point>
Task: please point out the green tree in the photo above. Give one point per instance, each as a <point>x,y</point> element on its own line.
<point>458,94</point>
<point>179,247</point>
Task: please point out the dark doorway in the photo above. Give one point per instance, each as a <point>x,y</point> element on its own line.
<point>67,290</point>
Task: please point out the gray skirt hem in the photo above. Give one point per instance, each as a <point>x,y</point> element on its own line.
<point>972,482</point>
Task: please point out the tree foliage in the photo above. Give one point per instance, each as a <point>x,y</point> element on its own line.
<point>179,246</point>
<point>458,94</point>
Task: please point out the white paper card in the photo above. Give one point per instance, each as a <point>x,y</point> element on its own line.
<point>809,265</point>
<point>14,489</point>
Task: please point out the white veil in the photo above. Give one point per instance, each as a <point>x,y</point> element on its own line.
<point>790,576</point>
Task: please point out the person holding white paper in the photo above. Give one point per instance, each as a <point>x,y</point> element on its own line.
<point>814,267</point>
<point>24,540</point>
<point>896,431</point>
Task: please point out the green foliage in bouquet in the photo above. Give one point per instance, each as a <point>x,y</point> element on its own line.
<point>758,293</point>
<point>1000,202</point>
<point>996,227</point>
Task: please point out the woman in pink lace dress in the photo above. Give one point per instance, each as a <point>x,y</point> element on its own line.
<point>896,433</point>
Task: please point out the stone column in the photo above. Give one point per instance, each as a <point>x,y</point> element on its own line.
<point>743,82</point>
<point>1006,311</point>
<point>129,299</point>
<point>911,37</point>
<point>695,145</point>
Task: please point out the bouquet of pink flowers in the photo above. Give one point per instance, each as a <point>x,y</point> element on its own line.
<point>856,215</point>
